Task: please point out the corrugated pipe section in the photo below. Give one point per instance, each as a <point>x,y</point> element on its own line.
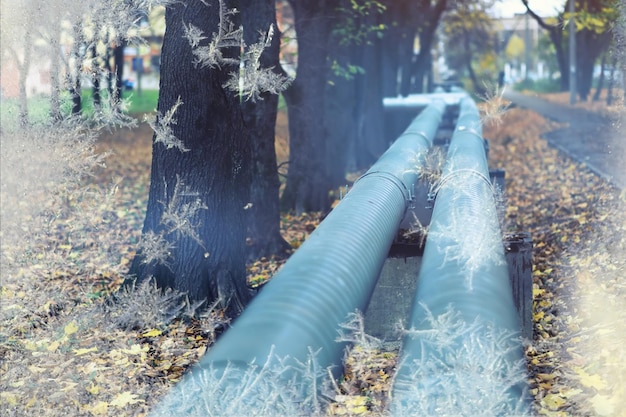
<point>298,313</point>
<point>462,354</point>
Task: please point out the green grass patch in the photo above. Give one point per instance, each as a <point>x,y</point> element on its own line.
<point>543,85</point>
<point>39,106</point>
<point>139,103</point>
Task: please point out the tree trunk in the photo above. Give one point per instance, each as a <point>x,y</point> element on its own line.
<point>390,62</point>
<point>609,89</point>
<point>423,64</point>
<point>198,190</point>
<point>339,113</point>
<point>556,36</point>
<point>118,67</point>
<point>95,78</point>
<point>478,89</point>
<point>406,62</point>
<point>307,182</point>
<point>23,68</point>
<point>55,71</point>
<point>589,46</point>
<point>596,96</point>
<point>371,140</point>
<point>264,238</point>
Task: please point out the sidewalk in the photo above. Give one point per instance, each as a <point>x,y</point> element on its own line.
<point>590,138</point>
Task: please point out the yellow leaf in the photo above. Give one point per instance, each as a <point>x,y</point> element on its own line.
<point>100,409</point>
<point>36,369</point>
<point>358,410</point>
<point>136,349</point>
<point>151,333</point>
<point>553,401</point>
<point>31,402</point>
<point>80,352</point>
<point>70,328</point>
<point>537,292</point>
<point>356,401</point>
<point>125,398</point>
<point>588,380</point>
<point>93,389</point>
<point>8,398</point>
<point>53,346</point>
<point>30,345</point>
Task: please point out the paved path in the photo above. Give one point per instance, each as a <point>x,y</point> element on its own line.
<point>595,140</point>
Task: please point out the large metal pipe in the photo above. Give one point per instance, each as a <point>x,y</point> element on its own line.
<point>462,355</point>
<point>300,310</point>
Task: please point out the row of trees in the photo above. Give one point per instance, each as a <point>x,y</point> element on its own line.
<point>596,23</point>
<point>72,39</point>
<point>214,181</point>
<point>201,207</point>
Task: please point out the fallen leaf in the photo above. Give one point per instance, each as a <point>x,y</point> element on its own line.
<point>125,398</point>
<point>554,401</point>
<point>84,351</point>
<point>590,380</point>
<point>70,328</point>
<point>101,408</point>
<point>151,333</point>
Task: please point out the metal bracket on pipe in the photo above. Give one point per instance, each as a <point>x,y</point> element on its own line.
<point>411,202</point>
<point>408,195</point>
<point>435,187</point>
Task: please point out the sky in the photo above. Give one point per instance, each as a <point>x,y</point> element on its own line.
<point>507,8</point>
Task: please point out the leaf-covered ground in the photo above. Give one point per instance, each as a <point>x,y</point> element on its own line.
<point>65,352</point>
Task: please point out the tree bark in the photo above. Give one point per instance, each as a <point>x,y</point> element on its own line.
<point>198,197</point>
<point>307,182</point>
<point>76,66</point>
<point>596,96</point>
<point>609,89</point>
<point>339,113</point>
<point>55,68</point>
<point>590,46</point>
<point>118,67</point>
<point>95,78</point>
<point>430,22</point>
<point>23,67</point>
<point>264,238</point>
<point>371,140</point>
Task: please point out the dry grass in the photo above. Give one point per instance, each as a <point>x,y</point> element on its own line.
<point>615,110</point>
<point>64,351</point>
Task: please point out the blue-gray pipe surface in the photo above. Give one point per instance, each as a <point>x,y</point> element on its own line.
<point>298,313</point>
<point>462,355</point>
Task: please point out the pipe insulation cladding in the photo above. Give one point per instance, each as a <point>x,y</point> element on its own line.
<point>292,325</point>
<point>462,354</point>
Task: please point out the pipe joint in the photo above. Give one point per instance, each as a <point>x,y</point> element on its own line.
<point>459,173</point>
<point>407,193</point>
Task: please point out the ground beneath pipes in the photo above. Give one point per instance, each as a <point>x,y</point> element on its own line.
<point>60,356</point>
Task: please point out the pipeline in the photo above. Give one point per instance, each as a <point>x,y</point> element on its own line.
<point>292,324</point>
<point>462,354</point>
